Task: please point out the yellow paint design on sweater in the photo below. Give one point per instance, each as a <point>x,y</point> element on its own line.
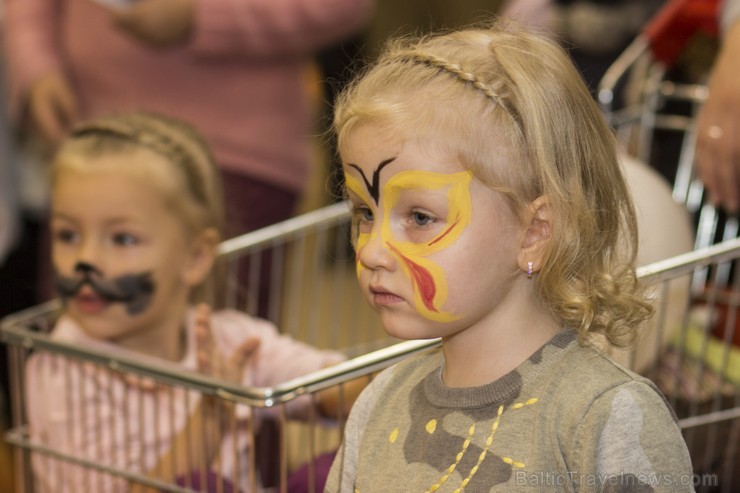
<point>431,427</point>
<point>484,453</point>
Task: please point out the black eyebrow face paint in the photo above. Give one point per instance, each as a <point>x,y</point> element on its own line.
<point>133,290</point>
<point>373,188</point>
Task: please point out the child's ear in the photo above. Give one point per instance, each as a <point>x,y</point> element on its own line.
<point>538,222</point>
<point>202,256</point>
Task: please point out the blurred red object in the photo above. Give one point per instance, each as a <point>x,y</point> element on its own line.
<point>725,321</point>
<point>676,23</point>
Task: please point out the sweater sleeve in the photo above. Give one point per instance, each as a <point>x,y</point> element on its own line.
<point>30,44</point>
<point>629,440</point>
<point>343,471</point>
<point>270,28</point>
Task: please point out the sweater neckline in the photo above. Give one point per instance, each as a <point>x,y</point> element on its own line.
<point>503,389</point>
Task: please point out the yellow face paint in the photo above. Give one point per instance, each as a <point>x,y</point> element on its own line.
<point>428,278</point>
<point>355,187</point>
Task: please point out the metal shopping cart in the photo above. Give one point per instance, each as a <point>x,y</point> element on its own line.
<point>26,333</point>
<point>693,348</point>
<point>311,294</point>
<point>652,103</point>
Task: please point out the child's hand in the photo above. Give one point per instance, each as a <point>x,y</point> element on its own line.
<point>211,360</point>
<point>52,107</point>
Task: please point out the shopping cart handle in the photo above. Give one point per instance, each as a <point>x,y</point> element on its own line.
<point>676,23</point>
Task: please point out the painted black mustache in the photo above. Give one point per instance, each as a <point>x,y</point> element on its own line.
<point>133,290</point>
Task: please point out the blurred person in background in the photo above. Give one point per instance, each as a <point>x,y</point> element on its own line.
<point>242,72</point>
<point>594,32</point>
<point>718,123</point>
<point>238,70</point>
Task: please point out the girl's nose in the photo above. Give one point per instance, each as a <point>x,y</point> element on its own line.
<point>375,253</point>
<point>86,269</point>
<point>89,253</point>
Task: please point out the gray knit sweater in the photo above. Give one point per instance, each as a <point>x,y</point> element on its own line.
<point>567,419</point>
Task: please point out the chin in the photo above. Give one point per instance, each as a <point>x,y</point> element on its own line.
<point>409,329</point>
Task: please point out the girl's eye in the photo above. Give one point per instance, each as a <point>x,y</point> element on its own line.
<point>65,236</point>
<point>421,219</point>
<point>125,239</point>
<point>363,214</point>
<point>362,219</point>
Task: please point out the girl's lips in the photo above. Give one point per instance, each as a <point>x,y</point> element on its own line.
<point>382,297</point>
<point>90,303</point>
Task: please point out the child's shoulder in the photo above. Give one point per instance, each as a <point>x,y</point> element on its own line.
<point>591,383</point>
<point>574,372</point>
<point>596,371</point>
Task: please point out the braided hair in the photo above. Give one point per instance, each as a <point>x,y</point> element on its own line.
<point>179,143</point>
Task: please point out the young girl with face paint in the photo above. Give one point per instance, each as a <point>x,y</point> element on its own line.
<point>135,220</point>
<point>490,211</point>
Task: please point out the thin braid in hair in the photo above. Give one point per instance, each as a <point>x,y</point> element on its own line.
<point>434,61</point>
<point>154,139</point>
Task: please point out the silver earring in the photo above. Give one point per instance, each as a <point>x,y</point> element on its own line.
<point>530,266</point>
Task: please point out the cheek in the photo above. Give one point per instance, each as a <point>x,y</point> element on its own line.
<point>455,271</point>
<point>167,278</point>
<point>59,264</point>
<point>63,257</point>
<point>430,286</point>
<point>175,274</point>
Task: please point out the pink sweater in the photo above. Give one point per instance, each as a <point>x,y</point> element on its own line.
<point>241,78</point>
<point>90,412</point>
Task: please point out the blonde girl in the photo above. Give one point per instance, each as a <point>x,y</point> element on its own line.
<point>490,211</point>
<point>135,220</point>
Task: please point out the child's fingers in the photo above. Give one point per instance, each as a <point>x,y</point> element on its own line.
<point>247,349</point>
<point>203,350</point>
<point>203,338</point>
<point>143,383</point>
<point>210,360</point>
<point>204,362</point>
<point>232,369</point>
<point>203,313</point>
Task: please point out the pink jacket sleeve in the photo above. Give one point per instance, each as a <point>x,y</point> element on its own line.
<point>30,32</point>
<point>279,357</point>
<point>268,28</point>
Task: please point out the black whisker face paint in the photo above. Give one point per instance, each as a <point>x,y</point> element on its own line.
<point>374,187</point>
<point>135,291</point>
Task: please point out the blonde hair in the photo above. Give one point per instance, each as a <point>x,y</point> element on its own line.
<point>514,109</point>
<point>190,182</point>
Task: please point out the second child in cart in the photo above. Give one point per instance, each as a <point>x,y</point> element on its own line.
<point>135,222</point>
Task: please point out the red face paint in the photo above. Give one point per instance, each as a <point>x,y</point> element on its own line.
<point>447,231</point>
<point>422,278</point>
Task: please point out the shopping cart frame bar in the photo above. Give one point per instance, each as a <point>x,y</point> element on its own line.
<point>13,333</point>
